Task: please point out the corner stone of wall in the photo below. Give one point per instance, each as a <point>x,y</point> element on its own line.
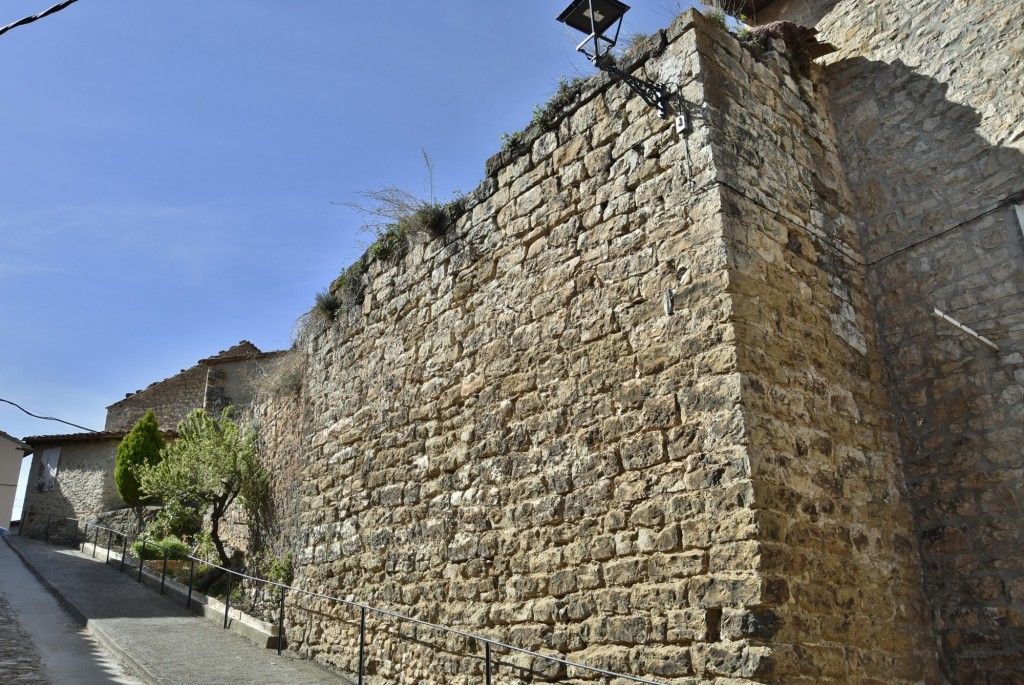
<point>932,143</point>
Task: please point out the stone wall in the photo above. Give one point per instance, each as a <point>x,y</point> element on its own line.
<point>171,400</point>
<point>629,411</point>
<point>930,117</point>
<point>234,382</point>
<point>84,487</point>
<point>836,532</point>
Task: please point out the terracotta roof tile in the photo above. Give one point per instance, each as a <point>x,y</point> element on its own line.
<point>87,437</point>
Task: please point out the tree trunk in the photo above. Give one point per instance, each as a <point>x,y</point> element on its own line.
<point>140,519</point>
<point>215,516</point>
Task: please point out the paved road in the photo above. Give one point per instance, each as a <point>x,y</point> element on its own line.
<point>40,644</point>
<point>19,660</point>
<point>158,639</point>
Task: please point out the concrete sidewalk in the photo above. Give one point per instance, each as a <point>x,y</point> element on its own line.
<point>40,642</point>
<point>154,636</point>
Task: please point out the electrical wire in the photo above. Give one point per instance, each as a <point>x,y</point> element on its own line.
<point>998,316</point>
<point>978,304</point>
<point>47,418</point>
<point>1003,205</point>
<point>36,17</point>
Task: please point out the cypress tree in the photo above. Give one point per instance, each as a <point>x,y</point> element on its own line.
<point>141,447</point>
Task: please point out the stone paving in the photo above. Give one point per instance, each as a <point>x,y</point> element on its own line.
<point>159,641</point>
<point>19,661</point>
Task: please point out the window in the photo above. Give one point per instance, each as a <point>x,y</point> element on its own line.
<point>47,475</point>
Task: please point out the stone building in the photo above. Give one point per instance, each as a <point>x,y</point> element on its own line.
<point>229,377</point>
<point>73,475</point>
<point>677,404</point>
<point>12,451</point>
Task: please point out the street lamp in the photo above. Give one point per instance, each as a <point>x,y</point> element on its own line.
<point>596,18</point>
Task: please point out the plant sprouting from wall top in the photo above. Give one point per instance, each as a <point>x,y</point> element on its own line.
<point>396,215</point>
<point>725,13</point>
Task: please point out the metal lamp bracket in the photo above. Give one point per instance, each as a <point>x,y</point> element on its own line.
<point>654,94</point>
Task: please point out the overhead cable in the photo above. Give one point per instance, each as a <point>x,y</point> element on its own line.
<point>36,17</point>
<point>47,418</point>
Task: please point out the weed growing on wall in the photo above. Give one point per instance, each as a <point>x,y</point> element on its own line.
<point>274,568</point>
<point>395,216</point>
<point>547,117</point>
<point>326,305</point>
<point>758,40</point>
<point>285,375</point>
<point>727,14</point>
<point>351,283</point>
<point>511,141</point>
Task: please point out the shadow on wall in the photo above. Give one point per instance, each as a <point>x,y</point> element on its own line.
<point>798,11</point>
<point>933,199</point>
<point>917,165</point>
<point>46,513</point>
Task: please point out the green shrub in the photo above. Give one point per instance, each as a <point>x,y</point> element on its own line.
<point>276,569</point>
<point>175,520</point>
<point>154,549</point>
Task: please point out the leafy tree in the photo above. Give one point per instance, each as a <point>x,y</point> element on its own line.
<point>140,448</point>
<point>212,464</point>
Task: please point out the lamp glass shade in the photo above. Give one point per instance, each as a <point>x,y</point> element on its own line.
<point>606,13</point>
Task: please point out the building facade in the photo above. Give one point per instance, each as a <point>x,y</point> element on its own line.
<point>12,451</point>
<point>73,475</point>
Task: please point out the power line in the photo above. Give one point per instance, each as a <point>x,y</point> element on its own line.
<point>1005,203</point>
<point>47,418</point>
<point>978,304</point>
<point>999,316</point>
<point>36,17</point>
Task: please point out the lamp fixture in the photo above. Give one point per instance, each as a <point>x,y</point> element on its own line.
<point>596,19</point>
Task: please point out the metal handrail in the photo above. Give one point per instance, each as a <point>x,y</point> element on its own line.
<point>488,642</point>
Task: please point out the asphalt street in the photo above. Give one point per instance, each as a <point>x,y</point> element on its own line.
<point>40,643</point>
<point>153,635</point>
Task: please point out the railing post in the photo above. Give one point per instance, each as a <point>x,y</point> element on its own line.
<point>280,624</point>
<point>46,536</point>
<point>95,542</point>
<point>227,601</point>
<point>163,574</point>
<point>110,541</point>
<point>191,574</point>
<point>487,662</point>
<point>124,550</point>
<point>142,556</point>
<point>85,536</point>
<point>362,643</point>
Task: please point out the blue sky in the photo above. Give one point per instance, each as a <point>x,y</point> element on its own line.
<point>171,170</point>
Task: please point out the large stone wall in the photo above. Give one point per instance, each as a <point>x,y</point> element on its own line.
<point>629,411</point>
<point>929,110</point>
